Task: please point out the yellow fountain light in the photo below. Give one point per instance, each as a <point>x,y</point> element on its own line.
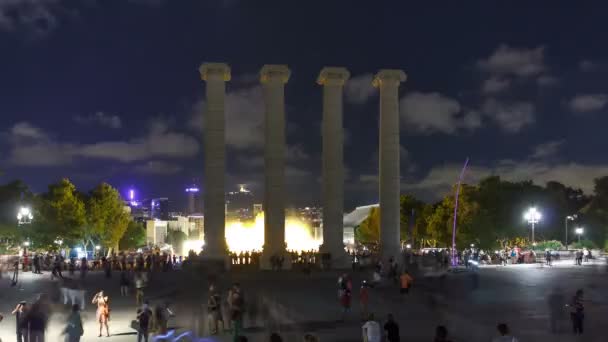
<point>249,236</point>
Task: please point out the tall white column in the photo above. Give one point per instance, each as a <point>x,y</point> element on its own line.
<point>216,75</point>
<point>332,80</point>
<point>388,82</point>
<point>273,79</point>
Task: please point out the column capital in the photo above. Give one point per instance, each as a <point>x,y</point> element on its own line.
<point>274,72</point>
<point>389,76</point>
<point>333,76</point>
<point>217,71</point>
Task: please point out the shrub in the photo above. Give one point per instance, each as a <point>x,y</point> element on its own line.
<point>584,244</point>
<point>550,244</point>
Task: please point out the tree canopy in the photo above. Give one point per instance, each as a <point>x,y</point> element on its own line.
<point>490,215</point>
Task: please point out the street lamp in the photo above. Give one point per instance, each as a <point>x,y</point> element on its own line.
<point>568,218</point>
<point>579,231</point>
<point>24,216</point>
<point>533,216</point>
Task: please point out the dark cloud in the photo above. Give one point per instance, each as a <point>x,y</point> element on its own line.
<point>40,149</point>
<point>584,103</point>
<point>359,89</point>
<point>428,113</point>
<point>506,60</point>
<point>100,118</point>
<point>511,117</point>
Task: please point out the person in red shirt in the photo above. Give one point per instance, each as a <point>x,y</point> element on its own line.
<point>345,302</point>
<point>364,299</point>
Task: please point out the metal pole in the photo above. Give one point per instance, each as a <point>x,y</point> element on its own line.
<point>532,231</point>
<point>454,261</point>
<point>566,232</point>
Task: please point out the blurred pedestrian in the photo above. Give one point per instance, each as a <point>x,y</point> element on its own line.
<point>441,334</point>
<point>364,299</point>
<point>504,336</point>
<point>20,313</point>
<point>406,282</point>
<point>124,283</point>
<point>556,303</point>
<point>392,329</point>
<point>37,318</point>
<point>577,312</point>
<point>144,315</point>
<point>345,302</point>
<point>371,330</point>
<point>74,330</point>
<point>236,313</point>
<point>140,285</point>
<point>214,310</point>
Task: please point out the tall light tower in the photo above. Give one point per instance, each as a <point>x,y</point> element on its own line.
<point>533,216</point>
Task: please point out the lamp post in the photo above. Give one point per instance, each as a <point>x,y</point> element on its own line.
<point>533,216</point>
<point>24,216</point>
<point>568,218</point>
<point>579,231</point>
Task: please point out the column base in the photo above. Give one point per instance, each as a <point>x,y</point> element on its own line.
<point>340,259</point>
<point>216,257</point>
<point>266,263</point>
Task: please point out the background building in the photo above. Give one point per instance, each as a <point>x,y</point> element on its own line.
<point>194,200</point>
<point>239,204</point>
<point>159,209</point>
<point>314,217</point>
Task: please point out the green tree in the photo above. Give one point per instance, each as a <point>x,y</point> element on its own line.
<point>107,217</point>
<point>369,230</point>
<point>440,224</point>
<point>410,209</point>
<point>135,236</point>
<point>59,213</point>
<point>13,195</point>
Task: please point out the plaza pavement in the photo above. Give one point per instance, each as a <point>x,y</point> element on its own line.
<point>293,303</point>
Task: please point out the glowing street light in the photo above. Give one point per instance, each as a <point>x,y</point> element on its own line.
<point>24,216</point>
<point>533,216</point>
<point>26,243</point>
<point>579,231</point>
<point>408,246</point>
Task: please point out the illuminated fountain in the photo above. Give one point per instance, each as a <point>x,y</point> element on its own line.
<point>249,236</point>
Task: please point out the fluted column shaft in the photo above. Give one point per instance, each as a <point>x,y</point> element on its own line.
<point>333,79</point>
<point>216,75</point>
<point>388,83</point>
<point>273,79</point>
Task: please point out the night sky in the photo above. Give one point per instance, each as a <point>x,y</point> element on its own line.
<point>110,91</point>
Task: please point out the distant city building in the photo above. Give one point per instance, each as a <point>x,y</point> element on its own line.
<point>314,217</point>
<point>138,209</point>
<point>194,198</point>
<point>239,204</point>
<point>157,230</point>
<point>257,209</point>
<point>159,209</point>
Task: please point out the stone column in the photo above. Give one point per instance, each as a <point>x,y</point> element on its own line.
<point>216,75</point>
<point>388,82</point>
<point>332,80</point>
<point>273,79</point>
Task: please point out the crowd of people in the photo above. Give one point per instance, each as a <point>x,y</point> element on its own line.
<point>225,311</point>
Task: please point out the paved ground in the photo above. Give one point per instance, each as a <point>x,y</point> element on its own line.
<point>469,303</point>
